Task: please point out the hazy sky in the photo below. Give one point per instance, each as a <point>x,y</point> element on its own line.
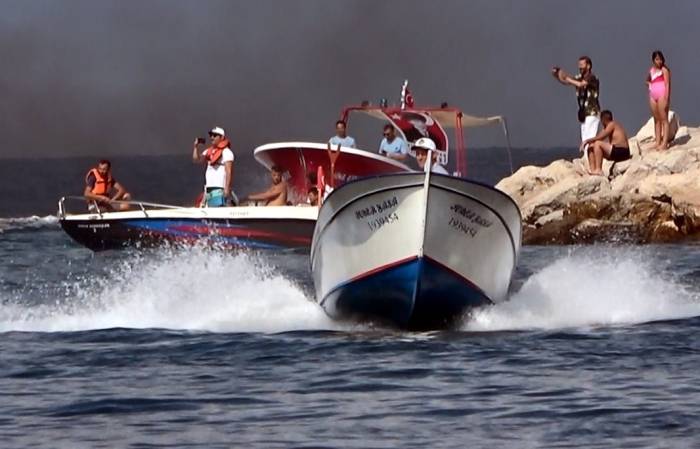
<point>146,77</point>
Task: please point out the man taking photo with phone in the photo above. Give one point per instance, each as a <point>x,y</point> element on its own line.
<point>219,174</point>
<point>587,88</point>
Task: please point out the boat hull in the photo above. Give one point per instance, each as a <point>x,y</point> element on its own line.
<point>226,227</point>
<point>396,250</point>
<point>419,293</point>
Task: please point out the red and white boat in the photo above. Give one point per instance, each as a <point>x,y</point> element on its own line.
<point>416,250</point>
<point>300,159</point>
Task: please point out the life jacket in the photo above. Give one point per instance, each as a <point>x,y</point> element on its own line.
<point>102,183</point>
<point>213,153</point>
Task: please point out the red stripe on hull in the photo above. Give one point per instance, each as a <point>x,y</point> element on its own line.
<point>382,268</point>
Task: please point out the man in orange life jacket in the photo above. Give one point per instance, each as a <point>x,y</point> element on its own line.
<point>219,174</point>
<point>102,188</point>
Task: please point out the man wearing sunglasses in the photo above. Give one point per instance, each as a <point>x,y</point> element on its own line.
<point>392,146</point>
<point>219,173</point>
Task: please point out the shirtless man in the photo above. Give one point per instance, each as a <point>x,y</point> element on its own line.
<point>276,195</point>
<point>615,149</point>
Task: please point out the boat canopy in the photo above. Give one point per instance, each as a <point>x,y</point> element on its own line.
<point>447,117</point>
<point>416,122</point>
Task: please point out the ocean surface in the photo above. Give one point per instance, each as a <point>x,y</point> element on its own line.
<point>597,346</point>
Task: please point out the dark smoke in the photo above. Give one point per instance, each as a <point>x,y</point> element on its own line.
<point>123,77</point>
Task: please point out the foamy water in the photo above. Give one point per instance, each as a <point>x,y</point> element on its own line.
<point>214,291</point>
<point>31,222</point>
<point>193,290</point>
<point>595,287</point>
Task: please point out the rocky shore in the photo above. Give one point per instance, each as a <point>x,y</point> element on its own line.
<point>653,197</point>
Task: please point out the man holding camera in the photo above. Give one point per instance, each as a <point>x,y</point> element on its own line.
<point>219,173</point>
<point>587,90</point>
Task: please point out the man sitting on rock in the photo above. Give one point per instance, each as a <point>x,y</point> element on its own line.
<point>615,149</point>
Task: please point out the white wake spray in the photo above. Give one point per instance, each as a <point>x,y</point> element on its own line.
<point>193,290</point>
<point>204,290</point>
<point>598,286</point>
<point>32,222</point>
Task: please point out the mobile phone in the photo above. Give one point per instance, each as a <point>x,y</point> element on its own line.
<point>201,140</point>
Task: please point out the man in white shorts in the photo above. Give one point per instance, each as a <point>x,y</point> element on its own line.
<point>587,90</point>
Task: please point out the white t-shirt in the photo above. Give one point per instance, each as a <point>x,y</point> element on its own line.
<point>216,174</point>
<point>346,141</point>
<point>436,168</point>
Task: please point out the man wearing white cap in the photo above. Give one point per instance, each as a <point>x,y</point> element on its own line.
<point>421,147</point>
<point>219,174</point>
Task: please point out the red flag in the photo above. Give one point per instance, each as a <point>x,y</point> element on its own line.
<point>408,99</point>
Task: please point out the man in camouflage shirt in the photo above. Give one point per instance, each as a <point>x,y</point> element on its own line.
<point>587,90</point>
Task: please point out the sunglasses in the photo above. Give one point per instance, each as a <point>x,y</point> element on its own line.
<point>214,135</point>
<point>387,134</point>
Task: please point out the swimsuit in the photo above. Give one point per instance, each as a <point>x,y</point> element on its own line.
<point>657,85</point>
<point>619,154</point>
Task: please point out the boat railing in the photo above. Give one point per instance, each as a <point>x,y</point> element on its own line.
<point>94,206</point>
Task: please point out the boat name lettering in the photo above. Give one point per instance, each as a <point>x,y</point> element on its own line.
<point>471,215</point>
<point>377,208</point>
<point>381,221</point>
<point>343,177</point>
<point>94,226</point>
<point>463,227</point>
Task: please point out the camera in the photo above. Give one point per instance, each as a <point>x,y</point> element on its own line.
<point>201,140</point>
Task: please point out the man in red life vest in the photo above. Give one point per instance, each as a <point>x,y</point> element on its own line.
<point>219,173</point>
<point>102,188</point>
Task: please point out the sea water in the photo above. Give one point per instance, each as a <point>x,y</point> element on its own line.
<point>597,346</point>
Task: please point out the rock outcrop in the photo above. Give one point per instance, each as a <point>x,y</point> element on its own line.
<point>653,197</point>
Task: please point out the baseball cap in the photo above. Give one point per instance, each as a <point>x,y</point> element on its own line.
<point>218,130</point>
<point>425,143</point>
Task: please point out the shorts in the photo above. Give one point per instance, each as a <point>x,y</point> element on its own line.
<point>97,208</point>
<point>589,127</point>
<point>214,197</point>
<point>619,154</point>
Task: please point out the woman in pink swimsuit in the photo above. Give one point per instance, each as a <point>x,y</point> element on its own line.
<point>659,82</point>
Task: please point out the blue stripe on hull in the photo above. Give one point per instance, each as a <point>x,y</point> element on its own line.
<point>263,234</point>
<point>419,294</point>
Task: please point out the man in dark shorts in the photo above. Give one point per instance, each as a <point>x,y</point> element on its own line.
<point>611,144</point>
